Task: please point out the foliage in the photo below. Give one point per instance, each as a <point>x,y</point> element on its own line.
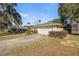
<point>60,34</point>
<point>28,31</point>
<point>68,11</point>
<point>68,28</point>
<point>16,30</point>
<point>10,33</point>
<point>28,23</point>
<point>2,30</point>
<point>56,21</point>
<point>8,15</point>
<point>39,21</point>
<point>33,31</point>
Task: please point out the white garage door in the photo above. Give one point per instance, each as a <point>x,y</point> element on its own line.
<point>44,31</point>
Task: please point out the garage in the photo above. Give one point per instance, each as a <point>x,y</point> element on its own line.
<point>45,28</point>
<point>44,31</point>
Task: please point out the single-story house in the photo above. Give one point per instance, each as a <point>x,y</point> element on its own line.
<point>45,28</point>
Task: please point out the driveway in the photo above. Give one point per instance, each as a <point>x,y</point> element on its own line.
<point>7,45</point>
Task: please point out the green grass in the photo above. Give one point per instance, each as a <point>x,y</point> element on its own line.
<point>2,30</point>
<point>7,33</point>
<point>12,36</point>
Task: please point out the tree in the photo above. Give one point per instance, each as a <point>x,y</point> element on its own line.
<point>68,11</point>
<point>56,21</point>
<point>39,21</point>
<point>8,15</point>
<point>28,23</point>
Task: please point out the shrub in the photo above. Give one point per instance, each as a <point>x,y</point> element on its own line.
<point>15,30</point>
<point>29,32</point>
<point>2,30</point>
<point>34,31</point>
<point>60,34</point>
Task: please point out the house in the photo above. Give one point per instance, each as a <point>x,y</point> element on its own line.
<point>45,28</point>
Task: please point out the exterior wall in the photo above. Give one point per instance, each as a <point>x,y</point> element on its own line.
<point>44,31</point>
<point>57,29</point>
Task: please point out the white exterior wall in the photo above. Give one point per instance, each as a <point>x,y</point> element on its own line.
<point>57,29</point>
<point>44,31</point>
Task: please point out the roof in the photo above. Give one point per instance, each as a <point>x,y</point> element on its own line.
<point>43,25</point>
<point>23,27</point>
<point>48,25</point>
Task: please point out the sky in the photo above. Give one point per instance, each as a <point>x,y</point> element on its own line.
<point>32,12</point>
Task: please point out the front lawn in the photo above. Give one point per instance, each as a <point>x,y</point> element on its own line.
<point>7,36</point>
